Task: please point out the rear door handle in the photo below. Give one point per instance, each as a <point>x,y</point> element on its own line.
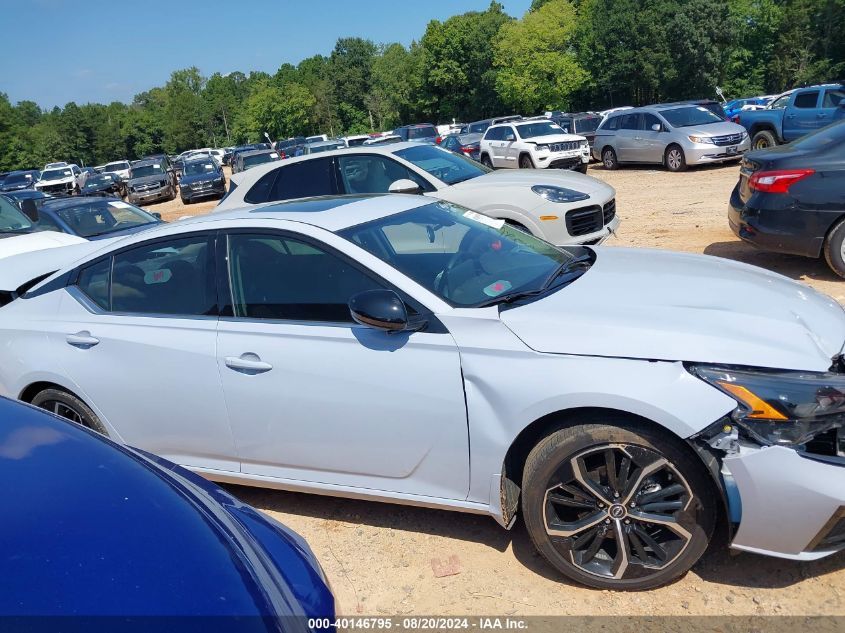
<point>248,363</point>
<point>82,339</point>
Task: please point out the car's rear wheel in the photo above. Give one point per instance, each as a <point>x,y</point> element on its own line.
<point>763,139</point>
<point>66,405</point>
<point>834,248</point>
<point>608,158</point>
<point>485,160</point>
<point>582,168</point>
<point>525,162</point>
<point>617,506</point>
<point>675,159</point>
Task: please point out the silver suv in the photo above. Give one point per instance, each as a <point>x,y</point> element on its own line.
<point>675,135</point>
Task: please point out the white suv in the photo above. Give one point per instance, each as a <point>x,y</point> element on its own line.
<point>61,180</point>
<point>534,144</point>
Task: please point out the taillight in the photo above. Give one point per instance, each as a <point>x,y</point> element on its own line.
<point>282,155</point>
<point>778,181</point>
<point>735,118</point>
<point>438,140</point>
<point>468,149</point>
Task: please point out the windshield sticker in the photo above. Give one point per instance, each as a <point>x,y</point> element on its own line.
<point>120,205</point>
<point>497,288</point>
<point>157,276</point>
<point>157,166</point>
<point>483,219</point>
<point>209,166</point>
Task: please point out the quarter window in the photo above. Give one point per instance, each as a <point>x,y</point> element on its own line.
<point>276,277</point>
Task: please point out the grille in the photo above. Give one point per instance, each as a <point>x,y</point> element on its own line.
<point>147,186</point>
<point>566,146</point>
<point>730,139</point>
<point>609,211</point>
<point>54,188</point>
<point>585,220</point>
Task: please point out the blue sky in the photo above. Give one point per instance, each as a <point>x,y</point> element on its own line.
<point>56,51</point>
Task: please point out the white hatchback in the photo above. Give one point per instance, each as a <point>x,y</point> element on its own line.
<point>534,144</point>
<point>404,349</point>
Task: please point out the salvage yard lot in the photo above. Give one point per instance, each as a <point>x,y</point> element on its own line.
<point>381,559</point>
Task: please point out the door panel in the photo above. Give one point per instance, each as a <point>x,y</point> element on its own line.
<point>801,118</point>
<point>323,399</point>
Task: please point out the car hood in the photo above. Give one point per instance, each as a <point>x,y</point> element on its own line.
<point>167,544</point>
<point>56,181</point>
<point>17,186</point>
<point>713,129</point>
<point>508,178</point>
<point>658,305</point>
<point>26,242</point>
<point>145,179</point>
<point>555,138</point>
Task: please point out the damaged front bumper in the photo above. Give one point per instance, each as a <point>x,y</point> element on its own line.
<point>792,503</point>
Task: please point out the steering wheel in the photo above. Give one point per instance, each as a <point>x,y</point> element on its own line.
<point>471,248</point>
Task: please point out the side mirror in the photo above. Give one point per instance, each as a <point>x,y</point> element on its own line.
<point>380,309</point>
<point>157,215</point>
<point>657,127</point>
<point>404,185</point>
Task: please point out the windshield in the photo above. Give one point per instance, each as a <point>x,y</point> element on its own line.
<point>691,115</point>
<point>13,179</point>
<point>587,125</point>
<point>465,258</point>
<point>422,132</point>
<point>11,218</point>
<point>104,216</point>
<point>55,174</point>
<point>152,169</point>
<point>541,128</point>
<point>442,164</point>
<point>833,134</point>
<point>199,168</point>
<point>120,166</point>
<point>258,159</point>
<point>98,181</point>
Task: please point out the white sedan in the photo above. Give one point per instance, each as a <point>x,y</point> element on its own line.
<point>559,206</point>
<point>402,349</point>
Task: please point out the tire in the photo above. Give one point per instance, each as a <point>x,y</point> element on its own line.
<point>68,406</point>
<point>834,244</point>
<point>172,193</point>
<point>763,139</point>
<point>185,201</point>
<point>608,159</point>
<point>485,160</point>
<point>674,159</point>
<point>581,169</point>
<point>525,162</point>
<point>660,468</point>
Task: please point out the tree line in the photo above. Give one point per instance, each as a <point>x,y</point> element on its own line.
<point>562,54</point>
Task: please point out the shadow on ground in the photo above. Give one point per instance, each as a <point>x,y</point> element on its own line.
<point>788,265</point>
<point>718,565</point>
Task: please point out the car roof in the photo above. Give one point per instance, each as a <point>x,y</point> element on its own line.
<point>256,152</point>
<point>332,213</point>
<point>144,162</point>
<point>68,202</point>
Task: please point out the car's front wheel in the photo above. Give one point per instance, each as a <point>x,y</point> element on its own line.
<point>675,159</point>
<point>608,158</point>
<point>834,248</point>
<point>617,506</point>
<point>68,406</point>
<point>485,160</point>
<point>525,162</point>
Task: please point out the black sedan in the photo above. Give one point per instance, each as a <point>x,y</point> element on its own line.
<point>464,144</point>
<point>107,184</point>
<point>791,198</point>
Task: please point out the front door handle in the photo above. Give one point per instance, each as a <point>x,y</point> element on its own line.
<point>248,363</point>
<point>82,339</point>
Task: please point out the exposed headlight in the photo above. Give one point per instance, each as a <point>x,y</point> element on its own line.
<point>744,136</point>
<point>585,144</point>
<point>707,140</point>
<point>784,408</point>
<point>559,194</point>
<point>541,147</point>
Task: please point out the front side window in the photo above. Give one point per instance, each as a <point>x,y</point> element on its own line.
<point>493,134</point>
<point>443,165</point>
<point>833,98</point>
<point>276,277</point>
<point>465,258</point>
<point>648,121</point>
<point>807,99</point>
<point>780,103</point>
<point>373,173</point>
<point>173,277</point>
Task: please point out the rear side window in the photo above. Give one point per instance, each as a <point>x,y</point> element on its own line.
<point>260,191</point>
<point>304,179</point>
<point>611,124</point>
<point>173,277</point>
<point>630,122</point>
<point>807,99</point>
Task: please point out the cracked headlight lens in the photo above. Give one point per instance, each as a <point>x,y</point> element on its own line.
<point>784,408</point>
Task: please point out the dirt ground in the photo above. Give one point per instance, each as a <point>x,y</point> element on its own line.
<point>379,557</point>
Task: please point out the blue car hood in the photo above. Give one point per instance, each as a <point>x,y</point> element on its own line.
<point>95,529</point>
